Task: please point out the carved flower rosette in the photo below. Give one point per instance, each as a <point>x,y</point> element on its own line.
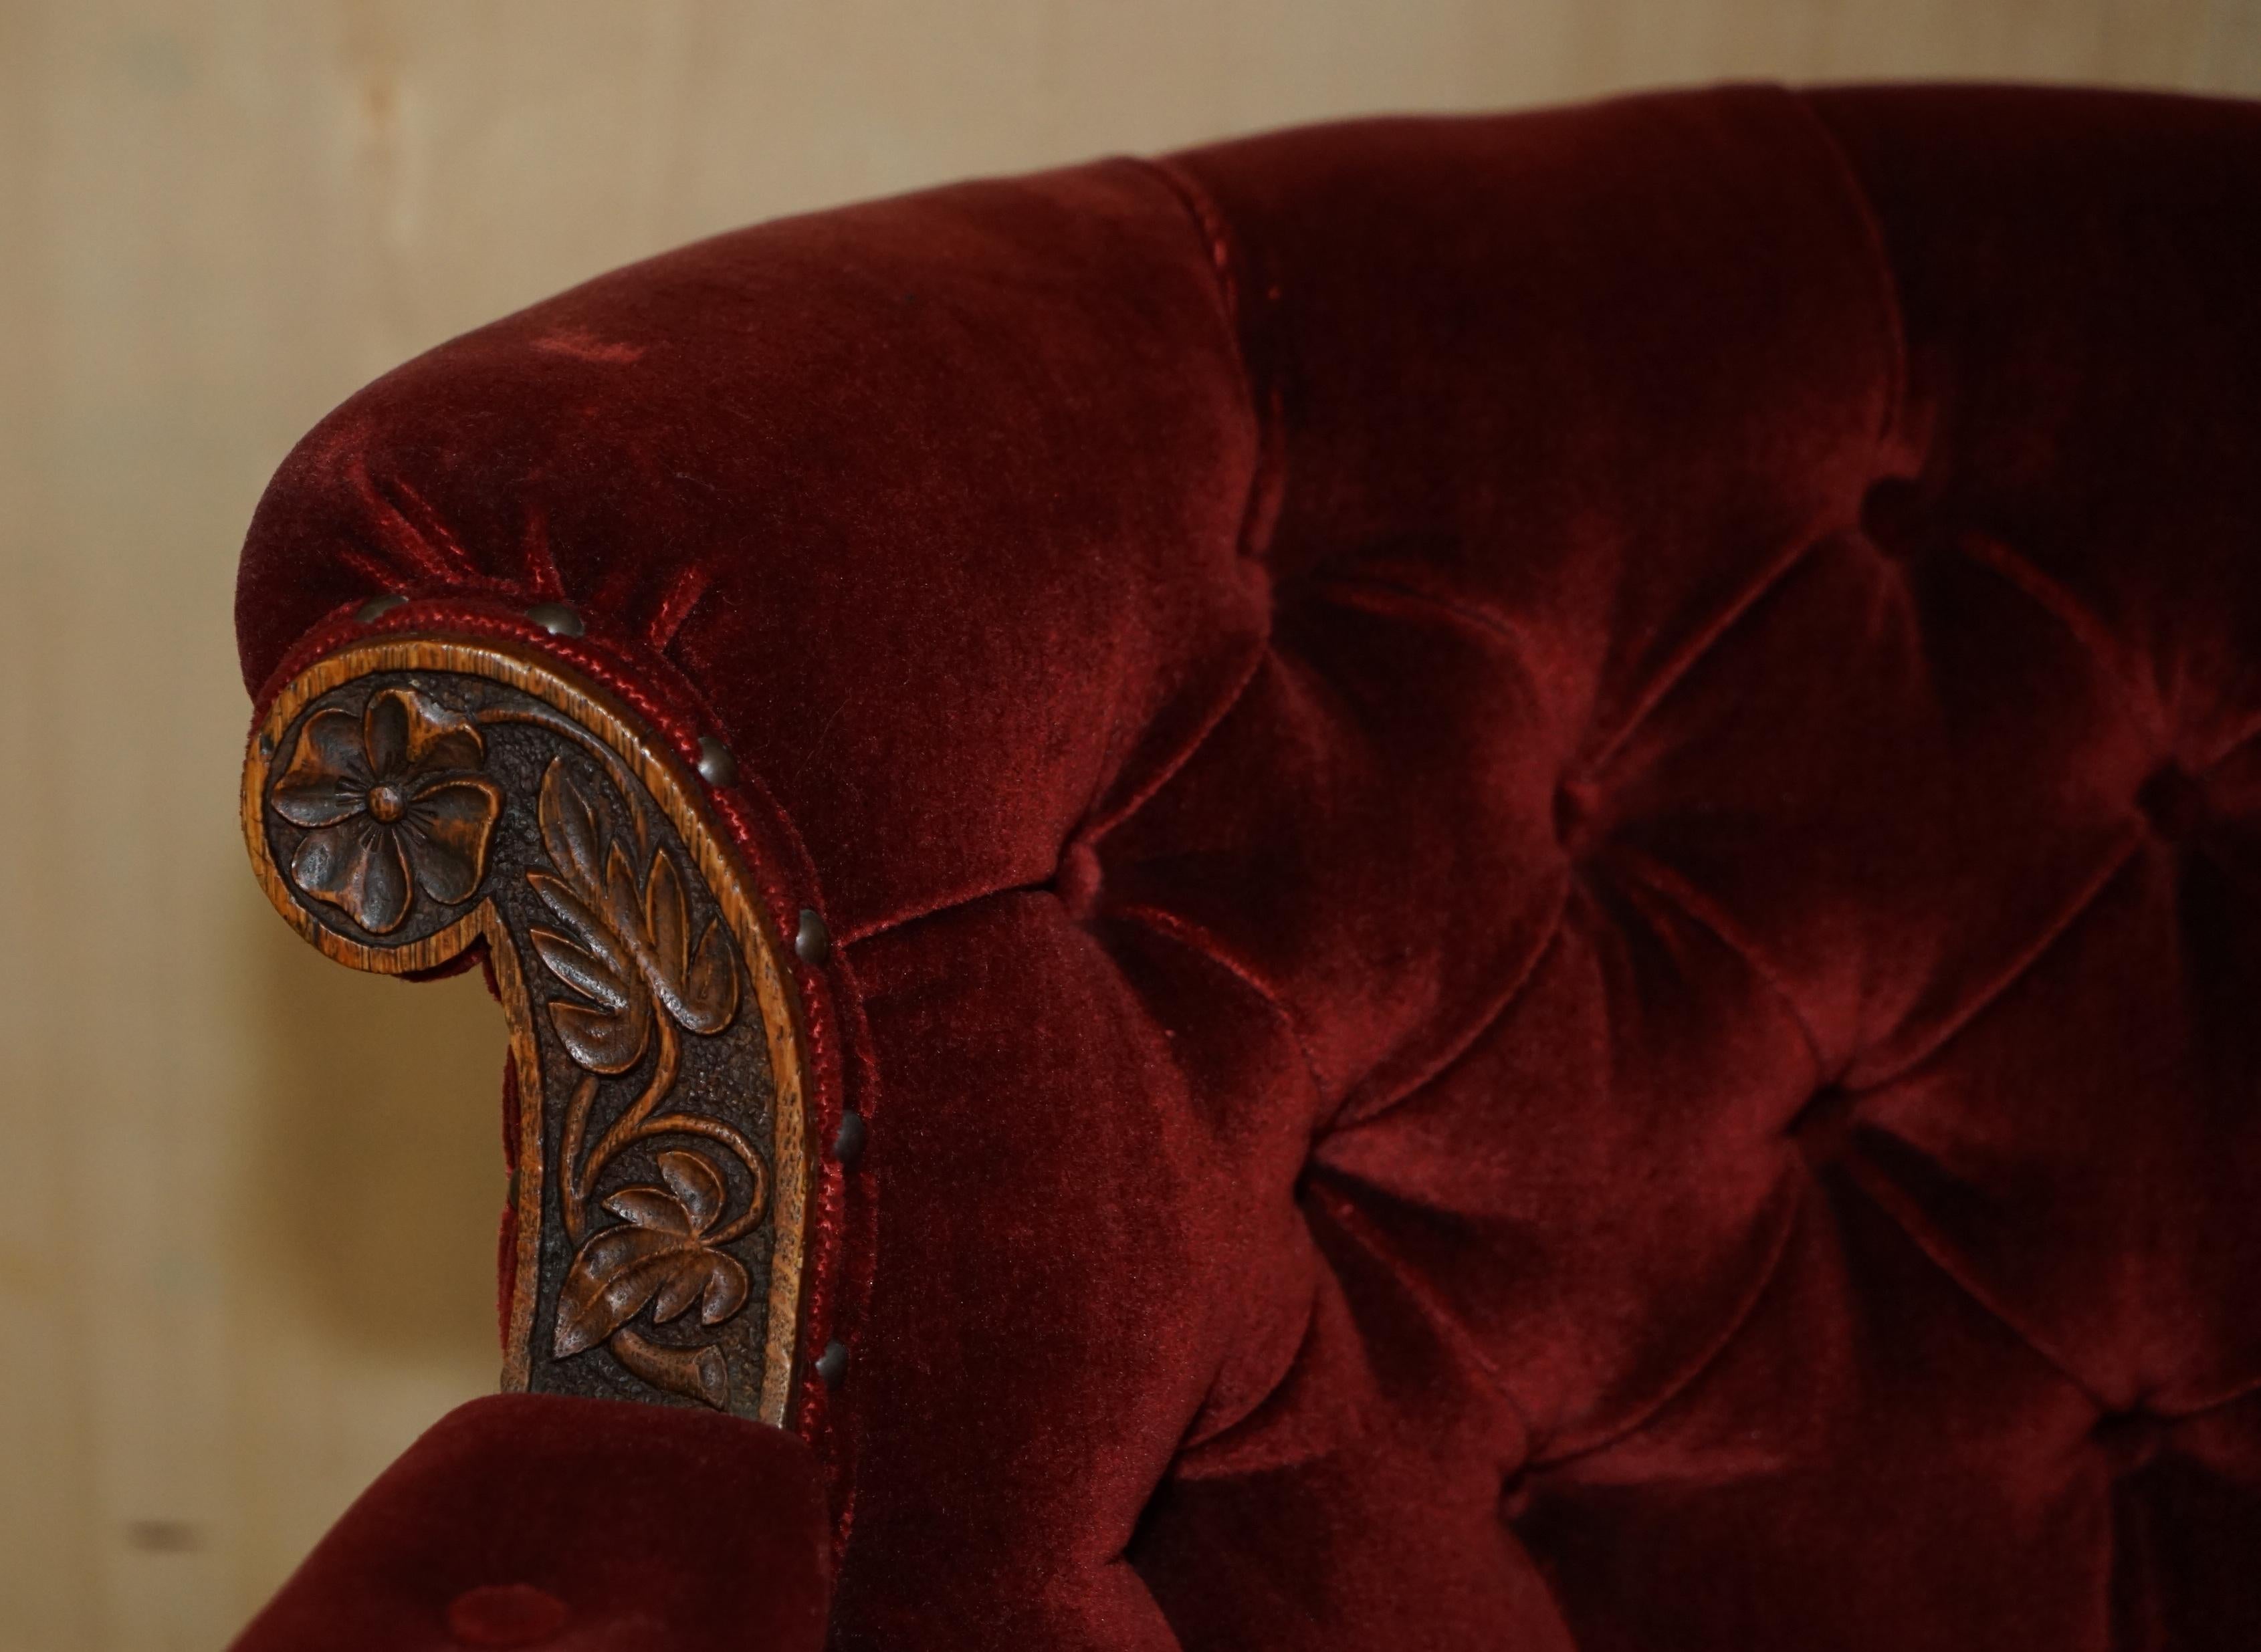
<point>420,800</point>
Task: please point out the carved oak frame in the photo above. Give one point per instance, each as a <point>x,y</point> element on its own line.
<point>413,799</point>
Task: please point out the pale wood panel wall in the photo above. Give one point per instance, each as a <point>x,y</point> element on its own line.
<point>247,1230</point>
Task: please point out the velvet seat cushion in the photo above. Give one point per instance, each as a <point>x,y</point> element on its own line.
<point>570,1526</point>
<point>1544,834</point>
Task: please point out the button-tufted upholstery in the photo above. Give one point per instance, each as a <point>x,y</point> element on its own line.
<point>1546,839</point>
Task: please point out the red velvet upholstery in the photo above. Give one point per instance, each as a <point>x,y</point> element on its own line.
<point>1548,841</point>
<point>573,1525</point>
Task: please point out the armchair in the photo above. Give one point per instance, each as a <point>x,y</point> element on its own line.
<point>1436,883</point>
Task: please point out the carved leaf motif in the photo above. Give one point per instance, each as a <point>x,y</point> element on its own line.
<point>608,1034</point>
<point>621,897</point>
<point>570,832</point>
<point>700,987</point>
<point>625,945</point>
<point>697,1183</point>
<point>617,1272</point>
<point>631,943</point>
<point>656,1257</point>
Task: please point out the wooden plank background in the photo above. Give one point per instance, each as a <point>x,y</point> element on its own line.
<point>246,1237</point>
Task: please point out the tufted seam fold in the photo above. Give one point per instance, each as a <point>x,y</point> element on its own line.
<point>1952,1024</point>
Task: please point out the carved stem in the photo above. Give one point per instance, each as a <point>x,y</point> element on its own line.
<point>572,1196</point>
<point>623,1130</point>
<point>694,1373</point>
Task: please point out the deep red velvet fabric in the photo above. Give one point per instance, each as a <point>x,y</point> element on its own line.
<point>570,1526</point>
<point>1547,833</point>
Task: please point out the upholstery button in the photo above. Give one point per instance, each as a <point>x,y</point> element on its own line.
<point>2174,801</point>
<point>1892,516</point>
<point>1824,1124</point>
<point>1575,804</point>
<point>1515,1496</point>
<point>376,607</point>
<point>505,1615</point>
<point>2130,1439</point>
<point>1076,878</point>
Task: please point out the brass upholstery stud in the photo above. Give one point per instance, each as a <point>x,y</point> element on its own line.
<point>556,618</point>
<point>814,941</point>
<point>832,1364</point>
<point>717,766</point>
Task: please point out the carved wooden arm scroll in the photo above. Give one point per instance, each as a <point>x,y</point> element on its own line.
<point>407,799</point>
